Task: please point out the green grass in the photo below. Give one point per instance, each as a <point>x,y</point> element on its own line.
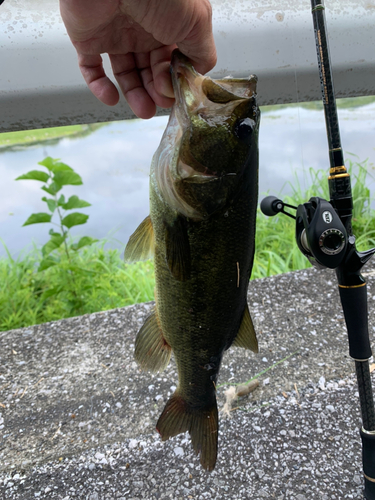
<point>98,279</point>
<point>15,140</point>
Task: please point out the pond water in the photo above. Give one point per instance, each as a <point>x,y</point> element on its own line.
<point>114,163</point>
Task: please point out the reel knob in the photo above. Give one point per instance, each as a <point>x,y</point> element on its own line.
<point>271,205</point>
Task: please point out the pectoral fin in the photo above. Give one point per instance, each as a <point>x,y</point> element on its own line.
<point>246,336</point>
<point>152,352</point>
<point>178,249</point>
<point>141,243</point>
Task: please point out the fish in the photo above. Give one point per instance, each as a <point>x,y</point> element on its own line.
<point>201,234</point>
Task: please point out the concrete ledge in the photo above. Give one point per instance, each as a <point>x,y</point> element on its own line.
<point>41,85</point>
<point>77,416</point>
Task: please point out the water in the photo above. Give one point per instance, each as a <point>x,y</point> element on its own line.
<point>114,162</point>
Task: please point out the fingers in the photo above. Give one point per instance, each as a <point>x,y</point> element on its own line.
<point>144,78</point>
<point>92,70</point>
<point>135,77</point>
<point>160,60</point>
<point>128,77</point>
<point>202,60</point>
<point>199,45</point>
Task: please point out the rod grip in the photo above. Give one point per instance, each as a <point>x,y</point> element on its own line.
<point>368,459</point>
<point>354,305</point>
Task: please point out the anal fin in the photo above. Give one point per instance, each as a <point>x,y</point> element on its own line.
<point>246,336</point>
<point>152,352</point>
<point>202,424</point>
<point>141,243</point>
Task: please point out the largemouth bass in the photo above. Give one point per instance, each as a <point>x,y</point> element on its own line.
<point>201,231</point>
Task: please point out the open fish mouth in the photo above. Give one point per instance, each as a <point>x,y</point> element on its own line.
<point>203,102</point>
<point>199,94</point>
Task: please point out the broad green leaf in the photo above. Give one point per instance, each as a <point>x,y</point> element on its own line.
<point>75,202</point>
<point>47,190</point>
<point>53,188</point>
<point>46,263</point>
<point>84,241</point>
<point>34,175</point>
<point>61,200</point>
<point>74,219</point>
<point>50,202</point>
<point>67,177</point>
<point>37,218</point>
<point>54,165</point>
<point>53,233</point>
<point>48,162</point>
<point>52,244</point>
<point>60,167</point>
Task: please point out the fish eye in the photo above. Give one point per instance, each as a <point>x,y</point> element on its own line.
<point>244,128</point>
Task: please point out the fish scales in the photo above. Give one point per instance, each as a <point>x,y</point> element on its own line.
<point>212,301</point>
<point>201,231</point>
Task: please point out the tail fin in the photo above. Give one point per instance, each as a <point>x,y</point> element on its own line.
<point>202,424</point>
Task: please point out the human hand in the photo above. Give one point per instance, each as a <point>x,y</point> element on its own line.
<point>139,36</point>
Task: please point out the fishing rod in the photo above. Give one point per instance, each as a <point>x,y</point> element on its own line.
<point>324,235</point>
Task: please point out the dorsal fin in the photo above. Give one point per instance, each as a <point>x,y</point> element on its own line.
<point>141,243</point>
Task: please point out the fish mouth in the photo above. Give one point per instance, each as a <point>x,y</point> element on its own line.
<point>199,93</point>
<point>187,83</point>
<point>207,102</point>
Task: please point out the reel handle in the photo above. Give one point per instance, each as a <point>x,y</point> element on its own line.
<point>271,205</point>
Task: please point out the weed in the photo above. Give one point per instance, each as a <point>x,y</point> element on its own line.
<point>58,175</point>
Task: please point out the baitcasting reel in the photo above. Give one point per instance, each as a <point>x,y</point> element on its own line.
<point>320,234</point>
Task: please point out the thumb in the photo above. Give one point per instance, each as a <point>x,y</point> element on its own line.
<point>199,45</point>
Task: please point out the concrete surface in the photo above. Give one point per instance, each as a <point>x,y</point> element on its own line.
<point>41,85</point>
<point>77,417</point>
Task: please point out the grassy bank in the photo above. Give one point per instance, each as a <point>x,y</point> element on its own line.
<point>343,103</point>
<point>23,138</point>
<point>96,279</point>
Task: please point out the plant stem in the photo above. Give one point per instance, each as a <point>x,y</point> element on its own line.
<point>70,274</point>
<point>64,233</point>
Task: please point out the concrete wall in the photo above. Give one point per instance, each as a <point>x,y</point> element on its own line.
<point>41,86</point>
